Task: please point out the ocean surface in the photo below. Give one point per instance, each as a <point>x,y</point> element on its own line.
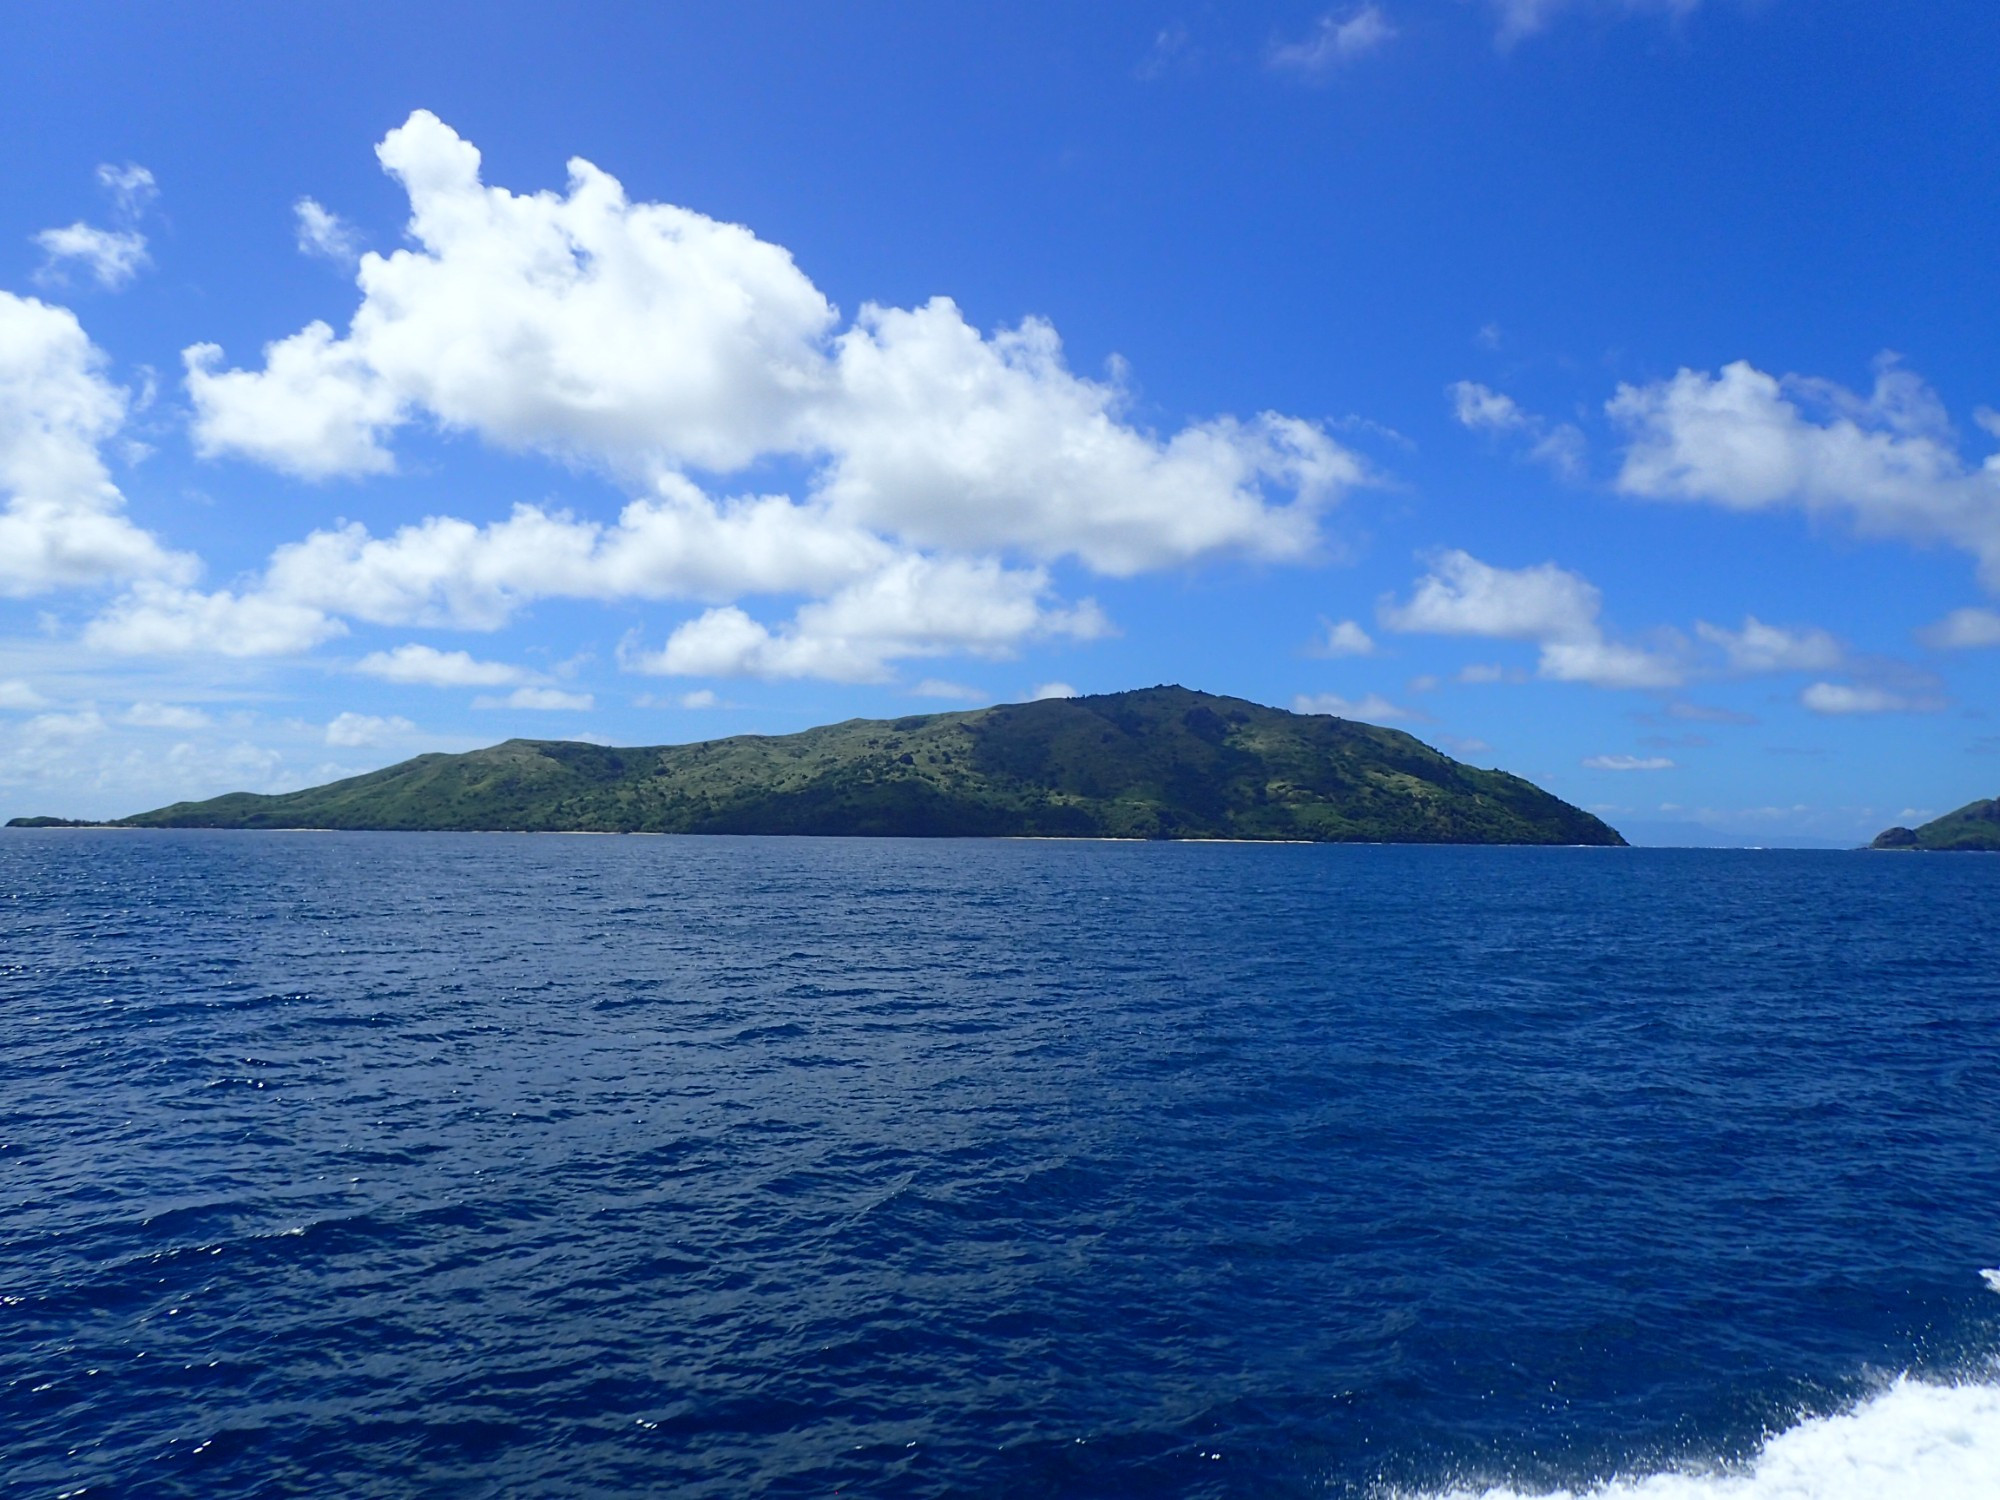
<point>377,1165</point>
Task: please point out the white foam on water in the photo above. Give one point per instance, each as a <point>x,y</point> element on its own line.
<point>1914,1439</point>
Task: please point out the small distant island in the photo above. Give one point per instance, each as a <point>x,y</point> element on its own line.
<point>1974,828</point>
<point>1157,763</point>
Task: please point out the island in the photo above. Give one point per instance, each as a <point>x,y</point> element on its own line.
<point>1974,828</point>
<point>1156,763</point>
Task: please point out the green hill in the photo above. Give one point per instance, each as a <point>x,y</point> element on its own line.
<point>1974,827</point>
<point>1158,763</point>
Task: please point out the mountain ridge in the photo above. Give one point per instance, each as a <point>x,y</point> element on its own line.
<point>1151,763</point>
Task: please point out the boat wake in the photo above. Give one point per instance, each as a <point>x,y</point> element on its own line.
<point>1914,1438</point>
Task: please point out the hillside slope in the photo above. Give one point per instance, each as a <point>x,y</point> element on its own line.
<point>1974,827</point>
<point>1157,763</point>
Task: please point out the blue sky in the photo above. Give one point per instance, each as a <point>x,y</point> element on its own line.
<point>1596,388</point>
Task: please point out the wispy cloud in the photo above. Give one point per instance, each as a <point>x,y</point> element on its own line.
<point>1480,408</point>
<point>1371,708</point>
<point>166,716</point>
<point>325,234</point>
<point>1963,629</point>
<point>1336,38</point>
<point>1705,713</point>
<point>1760,648</point>
<point>355,731</point>
<point>1173,51</point>
<point>1841,699</point>
<point>938,687</point>
<point>426,666</point>
<point>111,256</point>
<point>1519,19</point>
<point>16,694</point>
<point>539,699</point>
<point>132,188</point>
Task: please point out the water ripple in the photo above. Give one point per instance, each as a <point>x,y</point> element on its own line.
<point>379,1164</point>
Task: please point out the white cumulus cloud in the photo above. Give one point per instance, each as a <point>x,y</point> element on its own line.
<point>447,572</point>
<point>1463,596</point>
<point>353,731</point>
<point>1885,462</point>
<point>945,469</point>
<point>580,323</point>
<point>426,666</point>
<point>313,411</point>
<point>62,523</point>
<point>158,619</point>
<point>1344,638</point>
<point>917,607</point>
<point>1604,663</point>
<point>642,337</point>
<point>1546,604</point>
<point>680,544</point>
<point>944,437</point>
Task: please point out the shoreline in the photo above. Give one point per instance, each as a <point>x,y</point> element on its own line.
<point>1015,838</point>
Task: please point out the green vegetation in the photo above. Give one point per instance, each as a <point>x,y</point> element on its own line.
<point>1159,763</point>
<point>1974,827</point>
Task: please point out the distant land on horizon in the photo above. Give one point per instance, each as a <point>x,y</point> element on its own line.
<point>1971,829</point>
<point>1661,833</point>
<point>1155,763</point>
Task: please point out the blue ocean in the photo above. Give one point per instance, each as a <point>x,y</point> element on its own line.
<point>376,1165</point>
